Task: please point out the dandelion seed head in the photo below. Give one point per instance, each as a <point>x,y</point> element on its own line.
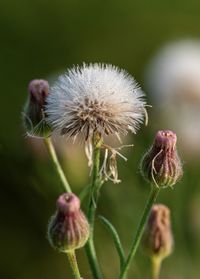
<point>95,98</point>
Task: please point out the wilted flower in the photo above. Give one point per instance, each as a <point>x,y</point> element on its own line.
<point>158,239</point>
<point>68,228</point>
<point>161,165</point>
<point>33,114</point>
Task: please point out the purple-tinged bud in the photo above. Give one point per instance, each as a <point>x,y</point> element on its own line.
<point>161,165</point>
<point>34,116</point>
<point>158,240</point>
<point>68,228</point>
<point>39,90</point>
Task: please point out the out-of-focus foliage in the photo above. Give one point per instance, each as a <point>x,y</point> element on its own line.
<point>40,39</point>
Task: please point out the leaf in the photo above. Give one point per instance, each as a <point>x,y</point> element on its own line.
<point>84,192</point>
<point>116,239</point>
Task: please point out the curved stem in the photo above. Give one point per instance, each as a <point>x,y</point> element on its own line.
<point>58,168</point>
<point>84,192</point>
<point>155,267</point>
<point>73,262</point>
<point>152,197</point>
<point>94,193</point>
<point>116,239</point>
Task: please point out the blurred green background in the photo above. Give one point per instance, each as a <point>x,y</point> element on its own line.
<point>39,39</point>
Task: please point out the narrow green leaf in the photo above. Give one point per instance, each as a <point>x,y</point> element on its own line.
<point>84,192</point>
<point>116,239</point>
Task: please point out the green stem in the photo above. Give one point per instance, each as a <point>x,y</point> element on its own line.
<point>152,197</point>
<point>155,267</point>
<point>58,168</point>
<point>94,193</point>
<point>73,262</point>
<point>84,192</point>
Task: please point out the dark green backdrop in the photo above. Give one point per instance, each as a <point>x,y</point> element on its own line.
<point>39,39</point>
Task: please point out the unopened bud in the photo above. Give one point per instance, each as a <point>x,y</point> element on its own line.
<point>68,228</point>
<point>158,239</point>
<point>34,116</point>
<point>161,165</point>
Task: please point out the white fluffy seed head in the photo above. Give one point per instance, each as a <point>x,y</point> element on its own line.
<point>95,98</point>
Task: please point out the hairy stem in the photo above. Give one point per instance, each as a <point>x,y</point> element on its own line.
<point>73,262</point>
<point>152,197</point>
<point>58,168</point>
<point>155,267</point>
<point>93,199</point>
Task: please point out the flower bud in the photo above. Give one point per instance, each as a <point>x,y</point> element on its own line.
<point>68,228</point>
<point>161,165</point>
<point>34,116</point>
<point>157,239</point>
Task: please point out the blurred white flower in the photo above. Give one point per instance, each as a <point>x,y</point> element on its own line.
<point>176,70</point>
<point>95,98</point>
<point>173,79</point>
